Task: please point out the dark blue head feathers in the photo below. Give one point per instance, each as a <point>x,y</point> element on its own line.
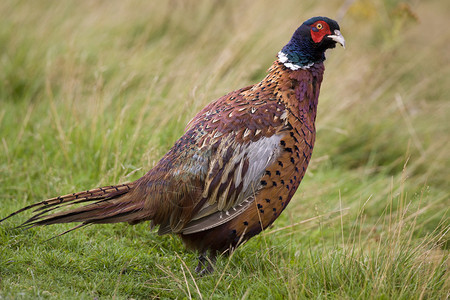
<point>310,41</point>
<point>332,23</point>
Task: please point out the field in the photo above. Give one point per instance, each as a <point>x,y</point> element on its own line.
<point>95,92</point>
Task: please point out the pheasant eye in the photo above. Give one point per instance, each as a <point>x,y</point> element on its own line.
<point>319,26</point>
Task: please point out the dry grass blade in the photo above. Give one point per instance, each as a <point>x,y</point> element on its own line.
<point>304,221</point>
<point>192,277</point>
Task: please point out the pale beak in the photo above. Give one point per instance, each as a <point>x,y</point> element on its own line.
<point>338,38</point>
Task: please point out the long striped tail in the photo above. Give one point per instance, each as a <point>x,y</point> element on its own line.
<point>110,204</point>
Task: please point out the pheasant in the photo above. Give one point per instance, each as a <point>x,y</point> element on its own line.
<point>236,167</point>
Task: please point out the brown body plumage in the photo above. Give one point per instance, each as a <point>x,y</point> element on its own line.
<point>228,177</point>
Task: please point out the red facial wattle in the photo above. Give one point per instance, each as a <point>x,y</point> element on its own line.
<point>319,30</point>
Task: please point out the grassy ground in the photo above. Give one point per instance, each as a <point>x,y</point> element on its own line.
<point>94,93</point>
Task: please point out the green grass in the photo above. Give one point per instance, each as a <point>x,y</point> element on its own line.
<point>94,93</point>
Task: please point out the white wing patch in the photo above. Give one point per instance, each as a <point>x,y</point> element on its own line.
<point>260,154</point>
<point>221,208</point>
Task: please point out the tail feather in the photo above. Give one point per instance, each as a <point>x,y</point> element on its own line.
<point>67,231</point>
<point>109,204</point>
<point>121,209</point>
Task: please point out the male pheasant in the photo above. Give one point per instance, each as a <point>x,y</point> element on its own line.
<point>236,167</point>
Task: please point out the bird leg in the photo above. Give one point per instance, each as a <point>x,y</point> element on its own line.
<point>205,264</point>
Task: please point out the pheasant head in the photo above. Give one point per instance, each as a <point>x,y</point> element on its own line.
<point>309,43</point>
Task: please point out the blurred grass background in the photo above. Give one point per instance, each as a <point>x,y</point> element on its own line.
<point>94,93</point>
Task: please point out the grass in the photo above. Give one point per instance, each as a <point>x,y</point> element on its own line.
<point>94,93</point>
